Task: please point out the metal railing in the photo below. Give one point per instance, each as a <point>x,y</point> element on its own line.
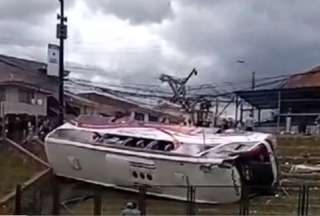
<point>298,200</point>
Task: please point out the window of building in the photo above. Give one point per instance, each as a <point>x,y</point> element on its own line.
<point>2,94</point>
<point>26,96</point>
<point>139,116</point>
<point>153,118</point>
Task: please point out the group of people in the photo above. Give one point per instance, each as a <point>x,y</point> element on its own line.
<point>247,125</point>
<point>317,123</point>
<point>23,129</point>
<point>305,126</point>
<point>45,127</point>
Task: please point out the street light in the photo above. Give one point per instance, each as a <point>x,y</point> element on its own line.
<point>253,78</point>
<point>61,35</point>
<point>253,85</point>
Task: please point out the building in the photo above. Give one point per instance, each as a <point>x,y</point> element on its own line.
<point>24,86</point>
<point>296,97</point>
<point>121,102</point>
<point>307,79</point>
<point>112,105</point>
<point>29,94</point>
<point>26,93</point>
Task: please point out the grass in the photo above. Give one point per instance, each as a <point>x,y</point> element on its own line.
<point>299,141</point>
<point>14,169</point>
<point>114,201</point>
<point>298,146</point>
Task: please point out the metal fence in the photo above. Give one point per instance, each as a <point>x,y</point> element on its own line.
<point>70,198</point>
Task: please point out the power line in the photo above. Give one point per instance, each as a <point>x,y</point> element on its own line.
<point>189,88</point>
<point>132,90</point>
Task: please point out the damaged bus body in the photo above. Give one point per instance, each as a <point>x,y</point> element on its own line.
<point>126,154</point>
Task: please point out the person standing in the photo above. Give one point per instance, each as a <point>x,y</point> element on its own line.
<point>249,123</point>
<point>288,122</point>
<point>317,123</point>
<point>239,126</point>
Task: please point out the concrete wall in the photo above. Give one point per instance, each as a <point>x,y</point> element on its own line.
<point>12,105</point>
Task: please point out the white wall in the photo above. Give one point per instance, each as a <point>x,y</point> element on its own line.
<point>12,105</point>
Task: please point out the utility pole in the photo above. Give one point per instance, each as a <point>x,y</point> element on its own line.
<point>61,35</point>
<point>253,80</point>
<point>253,86</point>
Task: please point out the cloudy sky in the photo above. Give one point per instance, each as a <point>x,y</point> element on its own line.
<point>134,41</point>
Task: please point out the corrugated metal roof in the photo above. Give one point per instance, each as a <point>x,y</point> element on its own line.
<point>17,70</point>
<point>70,97</point>
<point>307,79</point>
<point>81,88</point>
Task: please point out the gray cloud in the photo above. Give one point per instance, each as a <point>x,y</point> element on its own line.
<point>28,26</point>
<point>136,11</point>
<point>31,11</point>
<point>21,34</point>
<point>272,38</point>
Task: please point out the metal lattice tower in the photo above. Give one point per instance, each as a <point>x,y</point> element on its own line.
<point>178,87</point>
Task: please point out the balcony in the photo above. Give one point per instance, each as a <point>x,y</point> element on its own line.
<point>22,108</point>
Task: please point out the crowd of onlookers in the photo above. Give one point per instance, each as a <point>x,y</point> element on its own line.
<point>305,127</point>
<point>229,123</point>
<point>24,129</point>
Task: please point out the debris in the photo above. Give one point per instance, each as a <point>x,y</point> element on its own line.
<point>302,168</point>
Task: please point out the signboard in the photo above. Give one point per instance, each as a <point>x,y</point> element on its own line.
<point>53,60</point>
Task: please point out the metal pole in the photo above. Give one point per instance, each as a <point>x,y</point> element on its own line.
<point>279,111</point>
<point>216,113</point>
<point>303,200</point>
<point>190,200</point>
<point>236,110</point>
<point>142,199</point>
<point>36,126</point>
<point>244,202</point>
<point>17,209</point>
<point>253,80</point>
<point>97,208</point>
<point>241,111</point>
<point>3,122</point>
<point>253,86</point>
<point>55,196</point>
<point>61,34</point>
<point>307,201</point>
